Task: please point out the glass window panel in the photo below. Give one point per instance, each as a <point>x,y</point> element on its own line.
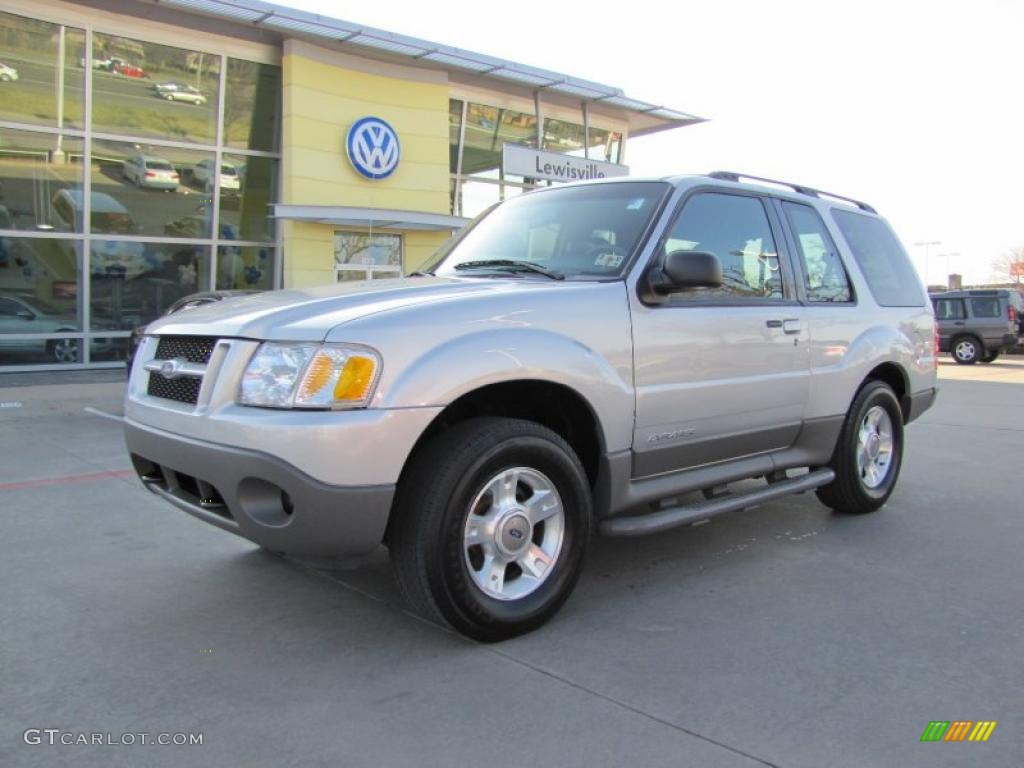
<point>252,104</point>
<point>478,197</point>
<point>605,145</point>
<point>135,283</point>
<point>37,170</point>
<point>735,229</point>
<point>146,89</point>
<point>246,267</point>
<point>985,308</point>
<point>39,280</point>
<point>487,128</point>
<point>354,274</point>
<point>248,185</point>
<point>30,75</point>
<point>561,136</point>
<point>362,248</point>
<point>154,191</point>
<point>824,276</point>
<point>881,258</point>
<point>454,129</point>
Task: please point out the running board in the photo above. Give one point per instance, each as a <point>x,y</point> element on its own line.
<point>662,520</point>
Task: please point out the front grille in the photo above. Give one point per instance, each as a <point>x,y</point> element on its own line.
<point>195,349</point>
<point>184,389</point>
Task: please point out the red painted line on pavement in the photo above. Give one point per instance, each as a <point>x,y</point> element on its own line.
<point>65,480</point>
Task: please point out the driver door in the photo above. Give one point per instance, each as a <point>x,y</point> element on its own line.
<point>721,373</point>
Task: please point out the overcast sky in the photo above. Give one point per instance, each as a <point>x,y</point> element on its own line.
<point>914,107</point>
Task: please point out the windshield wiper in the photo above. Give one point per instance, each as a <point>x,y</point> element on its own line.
<point>511,265</point>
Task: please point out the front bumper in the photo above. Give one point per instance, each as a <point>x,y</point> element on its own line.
<point>258,496</point>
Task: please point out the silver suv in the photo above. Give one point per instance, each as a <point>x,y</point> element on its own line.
<point>607,356</point>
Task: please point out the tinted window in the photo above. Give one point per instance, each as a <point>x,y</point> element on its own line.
<point>736,230</point>
<point>824,276</point>
<point>882,260</point>
<point>985,307</point>
<point>949,309</point>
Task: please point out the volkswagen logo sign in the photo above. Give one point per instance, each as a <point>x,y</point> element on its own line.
<point>372,147</point>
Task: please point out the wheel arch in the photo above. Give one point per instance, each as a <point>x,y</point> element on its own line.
<point>896,377</point>
<point>556,406</point>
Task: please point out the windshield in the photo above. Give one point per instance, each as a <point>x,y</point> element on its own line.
<point>584,232</point>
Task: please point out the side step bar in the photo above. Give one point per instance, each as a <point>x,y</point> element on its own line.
<point>662,520</point>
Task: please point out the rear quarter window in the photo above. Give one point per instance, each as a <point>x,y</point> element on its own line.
<point>883,262</point>
<point>985,307</point>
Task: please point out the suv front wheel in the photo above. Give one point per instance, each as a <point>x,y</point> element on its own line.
<point>491,523</point>
<point>868,454</point>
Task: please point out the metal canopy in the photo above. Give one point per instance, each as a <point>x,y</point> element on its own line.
<point>378,218</point>
<point>348,35</point>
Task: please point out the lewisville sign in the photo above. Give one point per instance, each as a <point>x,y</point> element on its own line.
<point>552,166</point>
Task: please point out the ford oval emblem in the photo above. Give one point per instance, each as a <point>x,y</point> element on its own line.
<point>373,148</point>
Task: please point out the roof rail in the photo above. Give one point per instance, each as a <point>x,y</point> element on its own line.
<point>732,176</point>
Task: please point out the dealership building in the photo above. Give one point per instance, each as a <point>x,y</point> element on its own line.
<point>152,149</point>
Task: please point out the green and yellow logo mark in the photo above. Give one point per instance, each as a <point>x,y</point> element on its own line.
<point>958,730</point>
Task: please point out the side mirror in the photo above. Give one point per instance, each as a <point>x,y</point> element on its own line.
<point>686,269</point>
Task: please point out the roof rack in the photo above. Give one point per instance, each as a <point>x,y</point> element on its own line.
<point>803,190</point>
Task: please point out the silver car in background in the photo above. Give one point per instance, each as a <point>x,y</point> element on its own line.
<point>581,358</point>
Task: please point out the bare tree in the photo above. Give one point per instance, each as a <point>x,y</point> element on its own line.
<point>1010,265</point>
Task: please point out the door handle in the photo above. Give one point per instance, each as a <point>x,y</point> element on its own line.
<point>774,323</point>
<point>959,322</point>
<point>792,325</point>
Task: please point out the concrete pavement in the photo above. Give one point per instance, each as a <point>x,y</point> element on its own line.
<point>785,635</point>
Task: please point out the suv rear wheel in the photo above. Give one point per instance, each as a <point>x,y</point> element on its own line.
<point>967,350</point>
<point>492,521</point>
<point>868,454</point>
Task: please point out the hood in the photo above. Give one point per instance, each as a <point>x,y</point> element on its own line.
<point>309,314</point>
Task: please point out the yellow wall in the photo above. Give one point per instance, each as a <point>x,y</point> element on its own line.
<point>324,93</point>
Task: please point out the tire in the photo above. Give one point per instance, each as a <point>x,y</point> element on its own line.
<point>966,350</point>
<point>5,78</point>
<point>990,357</point>
<point>450,497</point>
<point>169,97</point>
<point>864,484</point>
<point>63,350</point>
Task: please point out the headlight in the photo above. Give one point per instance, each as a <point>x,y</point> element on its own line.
<point>310,376</point>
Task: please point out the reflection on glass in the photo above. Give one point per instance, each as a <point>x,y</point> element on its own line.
<point>156,191</point>
<point>126,293</point>
<point>30,76</point>
<point>454,129</point>
<point>39,281</point>
<point>248,185</point>
<point>252,103</point>
<point>245,267</point>
<point>561,136</point>
<point>487,128</point>
<point>145,89</point>
<point>605,145</point>
<point>35,168</point>
<point>366,250</point>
